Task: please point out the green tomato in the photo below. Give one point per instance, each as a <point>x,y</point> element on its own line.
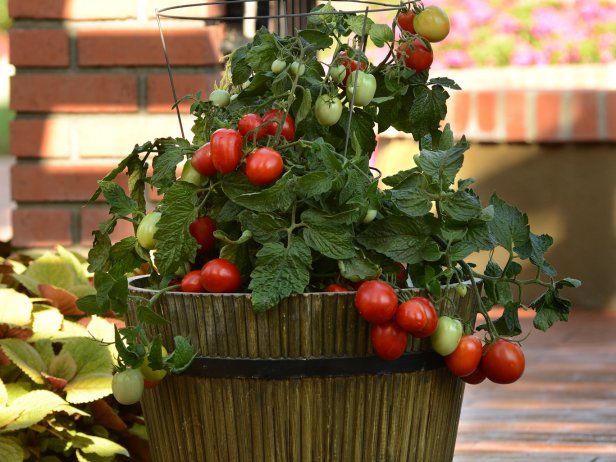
<point>366,87</point>
<point>447,335</point>
<point>190,175</point>
<point>461,289</point>
<point>147,229</point>
<point>220,98</point>
<point>150,374</point>
<point>127,386</point>
<point>338,73</point>
<point>370,216</point>
<point>328,110</point>
<point>278,65</point>
<point>297,68</point>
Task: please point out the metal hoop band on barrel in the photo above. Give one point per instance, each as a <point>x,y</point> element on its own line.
<point>295,368</point>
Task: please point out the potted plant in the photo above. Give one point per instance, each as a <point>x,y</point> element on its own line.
<point>312,309</point>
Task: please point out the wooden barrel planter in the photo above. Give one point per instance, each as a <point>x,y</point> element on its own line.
<point>297,383</point>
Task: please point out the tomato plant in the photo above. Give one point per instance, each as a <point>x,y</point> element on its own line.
<point>431,317</point>
<point>432,23</point>
<point>411,316</point>
<point>465,358</point>
<point>297,68</point>
<point>376,301</point>
<point>503,361</point>
<point>274,117</point>
<point>328,110</point>
<point>191,282</point>
<point>127,386</point>
<point>220,276</point>
<point>191,175</point>
<point>447,335</point>
<point>249,124</point>
<point>146,230</point>
<point>202,160</point>
<point>364,90</point>
<point>417,55</point>
<point>226,146</point>
<point>264,166</point>
<point>338,73</point>
<point>202,229</point>
<point>388,340</point>
<point>405,21</point>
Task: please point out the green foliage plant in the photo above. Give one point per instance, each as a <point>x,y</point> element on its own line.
<point>56,367</point>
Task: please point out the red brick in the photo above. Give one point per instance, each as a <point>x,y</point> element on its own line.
<point>515,116</point>
<point>549,109</point>
<point>49,183</point>
<point>185,47</point>
<point>485,104</point>
<point>610,103</point>
<point>41,227</point>
<point>160,98</point>
<point>38,138</point>
<point>584,116</point>
<point>72,9</point>
<point>89,219</point>
<point>39,47</point>
<point>74,93</point>
<point>461,111</point>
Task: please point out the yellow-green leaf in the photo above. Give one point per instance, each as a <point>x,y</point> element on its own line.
<point>10,450</point>
<point>25,357</point>
<point>88,387</point>
<point>96,445</point>
<point>46,321</point>
<point>16,308</point>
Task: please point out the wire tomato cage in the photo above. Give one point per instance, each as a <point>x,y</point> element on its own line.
<point>289,16</point>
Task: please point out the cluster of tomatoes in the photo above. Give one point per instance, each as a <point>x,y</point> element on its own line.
<point>421,27</point>
<point>224,152</point>
<point>376,301</point>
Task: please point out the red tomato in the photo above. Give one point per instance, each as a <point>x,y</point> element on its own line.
<point>149,384</point>
<point>416,54</point>
<point>475,377</point>
<point>431,315</point>
<point>376,301</point>
<point>192,282</point>
<point>226,146</point>
<point>432,23</point>
<point>288,128</point>
<point>411,316</point>
<point>220,276</point>
<point>465,358</point>
<point>405,21</point>
<point>336,288</point>
<point>202,229</point>
<point>388,340</point>
<point>350,65</point>
<point>264,166</point>
<point>202,160</point>
<point>401,275</point>
<point>249,125</point>
<point>502,361</point>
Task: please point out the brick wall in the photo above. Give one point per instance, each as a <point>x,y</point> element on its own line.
<point>90,83</point>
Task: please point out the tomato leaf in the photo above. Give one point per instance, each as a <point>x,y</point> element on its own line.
<point>327,238</point>
<point>239,64</point>
<point>277,197</point>
<point>279,272</point>
<point>441,167</point>
<point>359,268</point>
<point>402,239</point>
<point>356,24</point>
<point>510,227</point>
<point>111,294</point>
<point>316,39</point>
<point>120,204</point>
<point>263,51</point>
<point>461,205</point>
<point>540,245</point>
<point>313,184</point>
<point>182,355</point>
<point>550,307</point>
<point>123,256</point>
<point>380,34</point>
<point>305,106</point>
<point>165,164</point>
<point>444,82</point>
<point>428,109</point>
<point>265,227</point>
<point>412,202</point>
<point>175,245</point>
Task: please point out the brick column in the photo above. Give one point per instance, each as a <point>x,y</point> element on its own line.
<point>90,83</point>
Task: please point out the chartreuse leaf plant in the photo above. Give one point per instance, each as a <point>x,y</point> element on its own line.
<point>56,366</point>
<point>277,188</point>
